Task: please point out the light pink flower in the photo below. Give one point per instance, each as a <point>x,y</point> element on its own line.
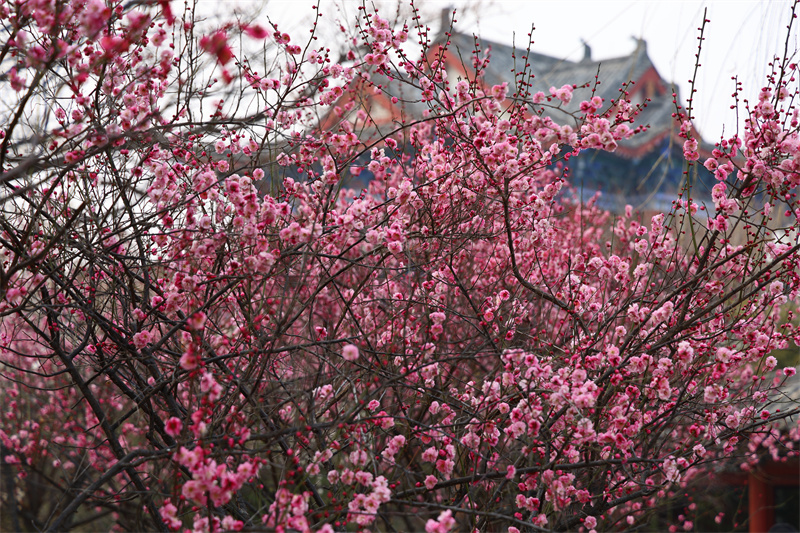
<point>350,352</point>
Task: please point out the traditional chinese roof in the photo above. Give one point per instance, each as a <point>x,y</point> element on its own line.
<point>634,72</point>
<point>613,74</point>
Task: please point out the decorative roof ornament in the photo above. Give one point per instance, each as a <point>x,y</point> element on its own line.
<point>587,52</point>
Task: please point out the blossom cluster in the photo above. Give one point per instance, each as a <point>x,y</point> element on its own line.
<point>231,337</point>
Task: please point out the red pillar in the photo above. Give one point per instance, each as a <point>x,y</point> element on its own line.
<point>762,504</point>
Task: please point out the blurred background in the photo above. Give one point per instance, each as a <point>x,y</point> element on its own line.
<point>741,38</point>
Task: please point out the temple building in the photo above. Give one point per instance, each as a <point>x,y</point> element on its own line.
<point>645,171</point>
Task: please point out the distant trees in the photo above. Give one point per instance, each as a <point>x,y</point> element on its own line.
<point>190,341</point>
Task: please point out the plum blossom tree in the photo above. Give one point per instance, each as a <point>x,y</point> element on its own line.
<point>204,328</point>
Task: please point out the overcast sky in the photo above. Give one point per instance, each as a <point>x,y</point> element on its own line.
<point>740,39</point>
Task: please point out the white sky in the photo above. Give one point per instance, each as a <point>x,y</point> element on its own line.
<point>740,39</point>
